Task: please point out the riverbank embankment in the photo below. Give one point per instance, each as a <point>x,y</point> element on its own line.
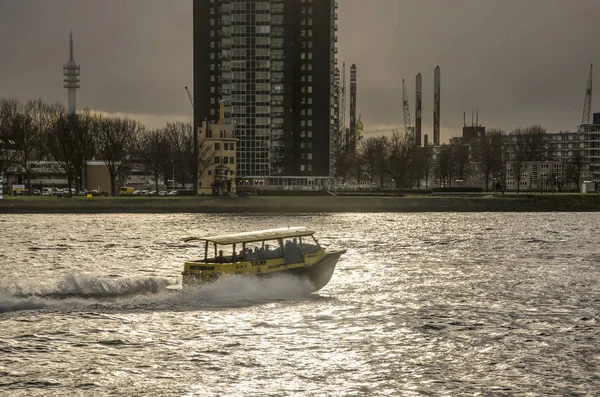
<point>491,203</point>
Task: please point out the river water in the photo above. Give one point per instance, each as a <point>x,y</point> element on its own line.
<point>421,304</point>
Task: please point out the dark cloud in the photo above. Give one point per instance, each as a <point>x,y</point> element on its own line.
<point>517,62</point>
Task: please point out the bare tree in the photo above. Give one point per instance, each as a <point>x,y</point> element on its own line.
<point>575,167</point>
<point>9,121</point>
<point>461,155</point>
<point>398,160</point>
<point>39,119</point>
<point>116,142</point>
<point>155,149</point>
<point>383,153</point>
<point>422,163</point>
<point>488,152</point>
<point>533,144</point>
<point>61,142</point>
<point>374,153</point>
<point>446,165</point>
<point>517,156</point>
<point>526,144</point>
<point>181,142</point>
<point>84,144</point>
<point>344,158</point>
<point>369,154</point>
<point>358,162</point>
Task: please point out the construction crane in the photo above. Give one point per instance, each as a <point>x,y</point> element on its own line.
<point>407,124</point>
<point>587,103</point>
<point>190,96</point>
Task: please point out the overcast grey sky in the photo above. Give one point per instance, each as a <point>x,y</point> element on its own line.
<point>518,62</point>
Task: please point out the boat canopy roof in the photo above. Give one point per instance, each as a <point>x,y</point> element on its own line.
<point>259,235</point>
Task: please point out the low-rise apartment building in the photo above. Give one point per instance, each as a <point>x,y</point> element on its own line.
<point>217,159</point>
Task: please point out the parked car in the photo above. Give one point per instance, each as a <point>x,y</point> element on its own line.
<point>144,192</point>
<point>126,191</point>
<point>47,191</point>
<point>36,192</point>
<point>83,192</point>
<point>173,193</point>
<point>162,193</point>
<point>136,193</point>
<point>153,193</point>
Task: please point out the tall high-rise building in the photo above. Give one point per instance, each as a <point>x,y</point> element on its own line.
<point>273,63</point>
<point>71,73</point>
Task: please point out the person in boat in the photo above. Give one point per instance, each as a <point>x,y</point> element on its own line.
<point>220,258</point>
<point>292,252</point>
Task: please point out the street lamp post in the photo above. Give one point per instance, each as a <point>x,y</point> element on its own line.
<point>173,169</point>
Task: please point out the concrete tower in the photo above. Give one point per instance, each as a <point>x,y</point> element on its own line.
<point>418,105</point>
<point>352,137</point>
<point>436,106</point>
<point>71,73</point>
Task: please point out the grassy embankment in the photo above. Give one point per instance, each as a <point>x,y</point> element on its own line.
<point>273,204</point>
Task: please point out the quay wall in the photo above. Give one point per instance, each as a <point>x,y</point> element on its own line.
<point>512,203</point>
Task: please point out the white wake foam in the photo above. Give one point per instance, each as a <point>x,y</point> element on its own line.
<point>241,291</point>
<point>74,291</point>
<point>80,292</point>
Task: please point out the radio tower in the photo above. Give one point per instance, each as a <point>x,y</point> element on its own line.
<point>71,73</point>
<point>587,103</point>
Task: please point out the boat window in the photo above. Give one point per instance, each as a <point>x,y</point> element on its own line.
<point>214,256</point>
<point>309,245</point>
<point>268,249</point>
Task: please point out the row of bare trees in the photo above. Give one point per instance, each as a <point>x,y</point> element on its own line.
<point>34,131</point>
<point>169,151</point>
<point>395,160</point>
<point>383,160</point>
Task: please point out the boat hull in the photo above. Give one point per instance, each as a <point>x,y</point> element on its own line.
<point>320,272</point>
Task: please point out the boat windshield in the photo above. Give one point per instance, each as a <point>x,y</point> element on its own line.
<point>309,245</point>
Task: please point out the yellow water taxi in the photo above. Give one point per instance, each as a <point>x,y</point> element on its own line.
<point>292,250</point>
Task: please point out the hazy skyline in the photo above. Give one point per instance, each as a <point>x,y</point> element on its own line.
<point>517,63</point>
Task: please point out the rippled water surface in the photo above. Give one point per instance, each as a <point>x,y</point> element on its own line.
<point>421,304</point>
